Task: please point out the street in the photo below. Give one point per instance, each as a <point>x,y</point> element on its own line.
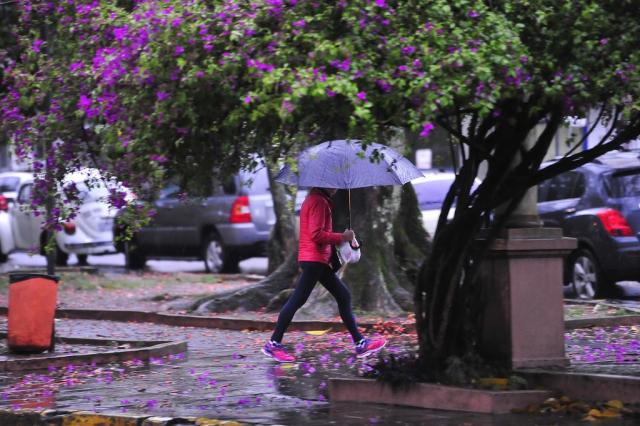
<point>115,263</point>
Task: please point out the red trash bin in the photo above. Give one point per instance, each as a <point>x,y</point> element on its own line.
<point>32,308</point>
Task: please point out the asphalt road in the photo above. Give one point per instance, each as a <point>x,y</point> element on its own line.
<point>115,263</point>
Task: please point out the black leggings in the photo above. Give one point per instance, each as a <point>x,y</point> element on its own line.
<point>313,272</point>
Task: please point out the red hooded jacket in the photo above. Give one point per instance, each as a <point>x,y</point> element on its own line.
<point>316,231</point>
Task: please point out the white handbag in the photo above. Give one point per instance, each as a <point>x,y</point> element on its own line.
<point>349,252</point>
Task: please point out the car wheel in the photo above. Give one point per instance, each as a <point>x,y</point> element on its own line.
<point>61,257</point>
<point>82,259</point>
<point>586,277</point>
<point>133,256</point>
<point>217,258</point>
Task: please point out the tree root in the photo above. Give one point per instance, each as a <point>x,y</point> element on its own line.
<point>253,297</point>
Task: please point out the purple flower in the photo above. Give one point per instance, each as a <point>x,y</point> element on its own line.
<point>384,86</point>
<point>344,65</point>
<point>299,24</point>
<point>162,96</point>
<point>381,3</point>
<point>120,33</point>
<point>158,158</point>
<point>426,129</point>
<point>473,14</point>
<point>408,50</point>
<point>84,103</point>
<point>75,66</point>
<point>248,100</point>
<point>179,50</point>
<point>36,45</point>
<point>604,41</point>
<point>362,96</point>
<point>330,93</point>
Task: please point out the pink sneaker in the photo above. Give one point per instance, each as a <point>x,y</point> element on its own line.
<point>366,347</point>
<point>276,351</point>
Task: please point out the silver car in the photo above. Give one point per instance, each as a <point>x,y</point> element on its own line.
<point>232,224</point>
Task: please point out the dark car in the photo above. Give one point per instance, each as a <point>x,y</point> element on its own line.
<point>232,224</point>
<point>599,205</point>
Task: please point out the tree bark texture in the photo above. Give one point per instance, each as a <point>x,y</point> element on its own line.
<point>284,240</point>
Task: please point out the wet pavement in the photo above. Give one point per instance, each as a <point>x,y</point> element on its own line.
<point>224,376</point>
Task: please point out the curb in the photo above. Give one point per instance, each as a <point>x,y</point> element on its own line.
<point>86,418</point>
<point>602,303</point>
<point>435,396</point>
<point>585,386</point>
<point>145,351</point>
<point>222,323</point>
<point>623,320</point>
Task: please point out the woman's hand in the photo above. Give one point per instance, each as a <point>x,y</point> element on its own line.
<point>348,235</point>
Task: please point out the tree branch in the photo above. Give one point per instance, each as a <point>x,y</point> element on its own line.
<point>463,139</point>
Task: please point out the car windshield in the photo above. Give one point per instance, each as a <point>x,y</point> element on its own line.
<point>9,184</point>
<point>431,193</point>
<point>625,184</point>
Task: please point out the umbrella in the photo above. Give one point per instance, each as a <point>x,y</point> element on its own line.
<point>347,164</point>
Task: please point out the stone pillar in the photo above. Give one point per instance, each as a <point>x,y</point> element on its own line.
<point>526,214</point>
<point>523,311</point>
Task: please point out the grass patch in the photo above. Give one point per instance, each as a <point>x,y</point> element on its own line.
<point>83,281</point>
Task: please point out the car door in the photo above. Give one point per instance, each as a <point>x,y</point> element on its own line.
<point>174,229</point>
<point>181,223</point>
<point>26,227</point>
<point>560,197</point>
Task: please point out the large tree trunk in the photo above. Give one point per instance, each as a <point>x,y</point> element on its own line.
<point>284,240</point>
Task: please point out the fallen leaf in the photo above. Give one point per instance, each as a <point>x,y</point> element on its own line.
<point>318,332</point>
<point>611,413</point>
<point>493,381</point>
<point>594,412</point>
<point>615,404</point>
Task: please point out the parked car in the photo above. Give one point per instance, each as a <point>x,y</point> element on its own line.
<point>9,184</point>
<point>232,224</point>
<point>431,191</point>
<point>90,232</point>
<point>599,205</point>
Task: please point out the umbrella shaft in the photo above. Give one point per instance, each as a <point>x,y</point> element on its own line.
<point>349,208</point>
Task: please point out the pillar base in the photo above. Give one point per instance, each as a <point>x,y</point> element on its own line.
<point>522,290</point>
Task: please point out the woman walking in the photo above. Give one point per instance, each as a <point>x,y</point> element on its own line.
<point>314,254</point>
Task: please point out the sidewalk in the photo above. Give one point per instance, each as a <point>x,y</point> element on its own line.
<point>224,376</point>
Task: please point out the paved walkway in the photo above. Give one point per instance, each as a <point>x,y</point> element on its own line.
<point>224,376</point>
